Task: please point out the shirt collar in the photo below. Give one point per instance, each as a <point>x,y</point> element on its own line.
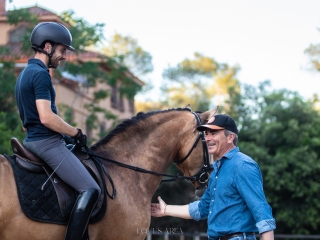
<point>227,155</point>
<point>39,62</point>
<point>230,153</point>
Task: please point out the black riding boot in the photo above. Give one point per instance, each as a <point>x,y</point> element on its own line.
<point>80,214</point>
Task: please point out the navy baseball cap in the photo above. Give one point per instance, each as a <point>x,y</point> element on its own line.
<point>220,121</point>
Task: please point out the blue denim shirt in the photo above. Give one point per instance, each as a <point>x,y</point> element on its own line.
<point>234,200</point>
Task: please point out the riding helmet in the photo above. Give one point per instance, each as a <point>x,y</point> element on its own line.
<point>51,31</point>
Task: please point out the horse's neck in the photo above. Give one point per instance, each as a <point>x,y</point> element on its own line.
<point>152,148</point>
<point>153,152</point>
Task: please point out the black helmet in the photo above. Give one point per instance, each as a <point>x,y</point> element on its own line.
<point>51,31</point>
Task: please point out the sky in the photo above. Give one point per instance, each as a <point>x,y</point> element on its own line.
<point>266,39</point>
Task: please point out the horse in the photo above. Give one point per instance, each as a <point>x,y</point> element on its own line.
<point>150,141</point>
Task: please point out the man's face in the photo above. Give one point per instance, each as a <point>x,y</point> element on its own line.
<point>218,143</point>
<point>60,54</point>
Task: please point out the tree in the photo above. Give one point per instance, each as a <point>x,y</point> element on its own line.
<point>281,132</point>
<point>314,53</point>
<point>10,124</point>
<point>128,52</point>
<point>198,82</point>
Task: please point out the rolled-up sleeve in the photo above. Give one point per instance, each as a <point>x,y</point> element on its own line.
<point>194,210</point>
<point>266,225</point>
<point>199,210</point>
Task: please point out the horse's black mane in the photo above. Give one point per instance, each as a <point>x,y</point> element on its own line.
<point>120,128</point>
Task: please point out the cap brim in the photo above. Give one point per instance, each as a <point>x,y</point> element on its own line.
<point>70,48</point>
<point>205,127</point>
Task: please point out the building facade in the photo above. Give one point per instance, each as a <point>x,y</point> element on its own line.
<point>72,92</point>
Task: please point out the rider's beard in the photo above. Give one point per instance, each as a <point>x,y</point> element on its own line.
<point>55,62</point>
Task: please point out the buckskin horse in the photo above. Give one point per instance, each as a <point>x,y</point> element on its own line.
<point>149,143</point>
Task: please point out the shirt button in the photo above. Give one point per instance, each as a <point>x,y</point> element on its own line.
<point>210,211</point>
<point>214,189</point>
<point>212,200</point>
<point>216,176</point>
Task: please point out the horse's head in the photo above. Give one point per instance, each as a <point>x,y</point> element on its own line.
<point>196,162</point>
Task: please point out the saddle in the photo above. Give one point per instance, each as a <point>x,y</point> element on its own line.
<point>56,199</point>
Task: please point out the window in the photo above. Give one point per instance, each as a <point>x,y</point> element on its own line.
<point>114,96</point>
<point>103,129</point>
<point>121,104</point>
<point>88,131</point>
<point>17,35</point>
<point>131,105</point>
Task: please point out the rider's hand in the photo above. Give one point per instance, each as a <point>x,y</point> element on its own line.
<point>80,139</point>
<point>158,209</point>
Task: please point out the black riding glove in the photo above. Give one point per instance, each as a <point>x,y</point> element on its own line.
<point>80,139</point>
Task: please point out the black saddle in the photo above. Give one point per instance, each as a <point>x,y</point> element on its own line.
<point>52,202</point>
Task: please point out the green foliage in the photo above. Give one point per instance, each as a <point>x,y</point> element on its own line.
<point>83,34</point>
<point>313,51</point>
<point>7,132</point>
<point>10,124</point>
<point>198,82</point>
<point>92,120</point>
<point>127,52</point>
<point>281,132</point>
<point>66,113</point>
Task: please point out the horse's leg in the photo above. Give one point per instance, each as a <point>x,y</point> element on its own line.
<point>13,223</point>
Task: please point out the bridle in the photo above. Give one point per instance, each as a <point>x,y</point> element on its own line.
<point>202,176</point>
<point>204,173</point>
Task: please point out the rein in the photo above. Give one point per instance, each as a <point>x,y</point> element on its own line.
<point>202,176</point>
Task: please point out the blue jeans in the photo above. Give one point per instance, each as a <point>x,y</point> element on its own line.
<point>249,237</point>
<point>243,237</point>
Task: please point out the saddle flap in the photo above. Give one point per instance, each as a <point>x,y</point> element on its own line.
<point>19,149</point>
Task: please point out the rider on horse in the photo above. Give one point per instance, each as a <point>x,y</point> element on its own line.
<point>35,96</point>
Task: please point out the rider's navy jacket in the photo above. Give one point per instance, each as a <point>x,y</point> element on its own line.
<point>33,83</point>
<point>234,200</point>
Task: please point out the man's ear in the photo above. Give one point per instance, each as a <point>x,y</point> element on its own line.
<point>231,138</point>
<point>47,47</point>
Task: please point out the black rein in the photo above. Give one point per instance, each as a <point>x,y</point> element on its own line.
<point>202,176</point>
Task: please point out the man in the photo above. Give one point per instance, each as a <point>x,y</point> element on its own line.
<point>35,98</point>
<point>234,202</point>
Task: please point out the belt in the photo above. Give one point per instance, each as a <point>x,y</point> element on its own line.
<point>237,234</point>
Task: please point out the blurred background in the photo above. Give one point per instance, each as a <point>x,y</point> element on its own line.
<point>259,61</point>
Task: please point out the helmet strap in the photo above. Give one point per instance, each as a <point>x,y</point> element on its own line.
<point>48,54</point>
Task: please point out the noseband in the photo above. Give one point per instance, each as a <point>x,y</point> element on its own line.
<point>203,175</point>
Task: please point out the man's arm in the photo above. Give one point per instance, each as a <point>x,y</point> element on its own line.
<point>161,209</point>
<point>53,121</point>
<point>267,235</point>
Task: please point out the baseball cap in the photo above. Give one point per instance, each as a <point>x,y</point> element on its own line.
<point>220,121</point>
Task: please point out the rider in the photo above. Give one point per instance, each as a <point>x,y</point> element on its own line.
<point>35,98</point>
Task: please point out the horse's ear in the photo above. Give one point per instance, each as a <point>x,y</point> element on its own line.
<point>188,106</point>
<point>205,116</point>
